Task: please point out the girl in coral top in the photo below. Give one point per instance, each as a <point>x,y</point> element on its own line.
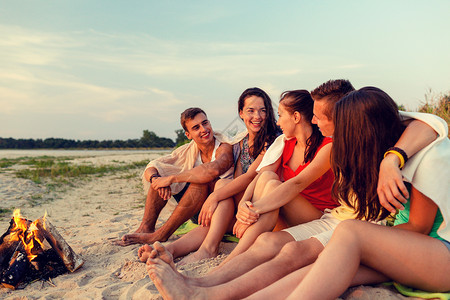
<point>300,154</point>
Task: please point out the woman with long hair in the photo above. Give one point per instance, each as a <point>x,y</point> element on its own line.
<point>216,216</point>
<point>416,250</point>
<point>301,153</point>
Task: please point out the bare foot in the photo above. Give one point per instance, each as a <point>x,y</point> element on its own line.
<point>140,238</point>
<point>170,284</point>
<point>163,254</point>
<point>198,255</point>
<point>145,228</point>
<point>157,250</point>
<point>144,252</point>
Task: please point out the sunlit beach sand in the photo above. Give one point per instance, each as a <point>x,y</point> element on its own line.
<point>90,213</point>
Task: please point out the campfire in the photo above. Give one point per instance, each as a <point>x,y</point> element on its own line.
<point>31,251</point>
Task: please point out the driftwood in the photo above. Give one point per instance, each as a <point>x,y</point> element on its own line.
<point>71,260</point>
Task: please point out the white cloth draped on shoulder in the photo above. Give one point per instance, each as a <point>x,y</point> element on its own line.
<point>273,153</point>
<point>182,159</point>
<point>429,169</point>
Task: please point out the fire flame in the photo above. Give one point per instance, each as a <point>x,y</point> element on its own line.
<point>27,233</point>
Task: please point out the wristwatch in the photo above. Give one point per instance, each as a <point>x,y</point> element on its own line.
<point>154,175</point>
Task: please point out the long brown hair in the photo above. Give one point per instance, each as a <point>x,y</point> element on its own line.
<point>301,101</point>
<point>269,132</point>
<point>366,125</point>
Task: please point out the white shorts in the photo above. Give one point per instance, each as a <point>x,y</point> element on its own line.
<point>321,229</point>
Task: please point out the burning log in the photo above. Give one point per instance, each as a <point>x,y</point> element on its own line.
<point>18,267</point>
<point>34,250</point>
<point>72,260</point>
<point>6,252</point>
<point>9,242</point>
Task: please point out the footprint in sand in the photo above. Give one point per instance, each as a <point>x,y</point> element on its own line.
<point>115,291</point>
<point>142,289</point>
<point>85,279</point>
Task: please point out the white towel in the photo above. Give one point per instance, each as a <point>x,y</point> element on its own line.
<point>429,169</point>
<point>273,153</point>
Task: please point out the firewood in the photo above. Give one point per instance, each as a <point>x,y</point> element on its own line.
<point>16,270</point>
<point>7,247</point>
<point>71,260</point>
<point>6,252</point>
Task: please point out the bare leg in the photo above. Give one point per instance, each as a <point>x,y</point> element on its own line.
<point>205,239</point>
<point>190,203</point>
<point>294,255</point>
<point>299,211</point>
<point>169,284</point>
<point>407,257</point>
<point>153,206</point>
<point>282,288</point>
<point>189,242</point>
<point>266,222</point>
<point>220,222</point>
<point>267,246</point>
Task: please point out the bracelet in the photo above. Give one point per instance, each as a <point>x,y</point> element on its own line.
<point>153,176</point>
<point>400,154</point>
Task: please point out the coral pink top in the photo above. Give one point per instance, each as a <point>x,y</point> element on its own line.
<point>317,193</point>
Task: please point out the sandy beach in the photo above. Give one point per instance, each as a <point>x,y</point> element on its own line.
<point>92,212</point>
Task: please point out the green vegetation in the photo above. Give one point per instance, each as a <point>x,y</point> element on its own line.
<point>148,140</point>
<point>438,105</point>
<point>181,138</point>
<point>5,211</point>
<point>41,161</point>
<point>59,173</point>
<point>63,171</point>
<point>8,162</point>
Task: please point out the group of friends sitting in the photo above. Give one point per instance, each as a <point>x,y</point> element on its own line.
<point>308,204</point>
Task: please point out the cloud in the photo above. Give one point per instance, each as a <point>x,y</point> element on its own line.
<point>351,66</point>
<point>120,77</point>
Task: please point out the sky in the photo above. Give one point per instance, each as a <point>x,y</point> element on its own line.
<point>110,69</point>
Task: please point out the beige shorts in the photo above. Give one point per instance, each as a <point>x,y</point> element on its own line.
<point>321,229</point>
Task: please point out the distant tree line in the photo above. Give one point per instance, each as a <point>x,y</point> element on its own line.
<point>148,140</point>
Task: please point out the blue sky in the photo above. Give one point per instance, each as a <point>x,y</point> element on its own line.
<point>110,69</point>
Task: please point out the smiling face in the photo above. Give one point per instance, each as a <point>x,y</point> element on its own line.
<point>253,113</point>
<point>325,125</point>
<point>286,121</point>
<point>199,129</point>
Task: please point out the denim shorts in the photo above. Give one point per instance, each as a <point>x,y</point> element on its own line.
<point>180,195</point>
<point>447,244</point>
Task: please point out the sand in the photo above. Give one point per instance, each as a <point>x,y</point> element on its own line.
<point>90,215</point>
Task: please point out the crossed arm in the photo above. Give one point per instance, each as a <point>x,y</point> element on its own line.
<point>248,212</point>
<point>232,188</point>
<point>203,173</point>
